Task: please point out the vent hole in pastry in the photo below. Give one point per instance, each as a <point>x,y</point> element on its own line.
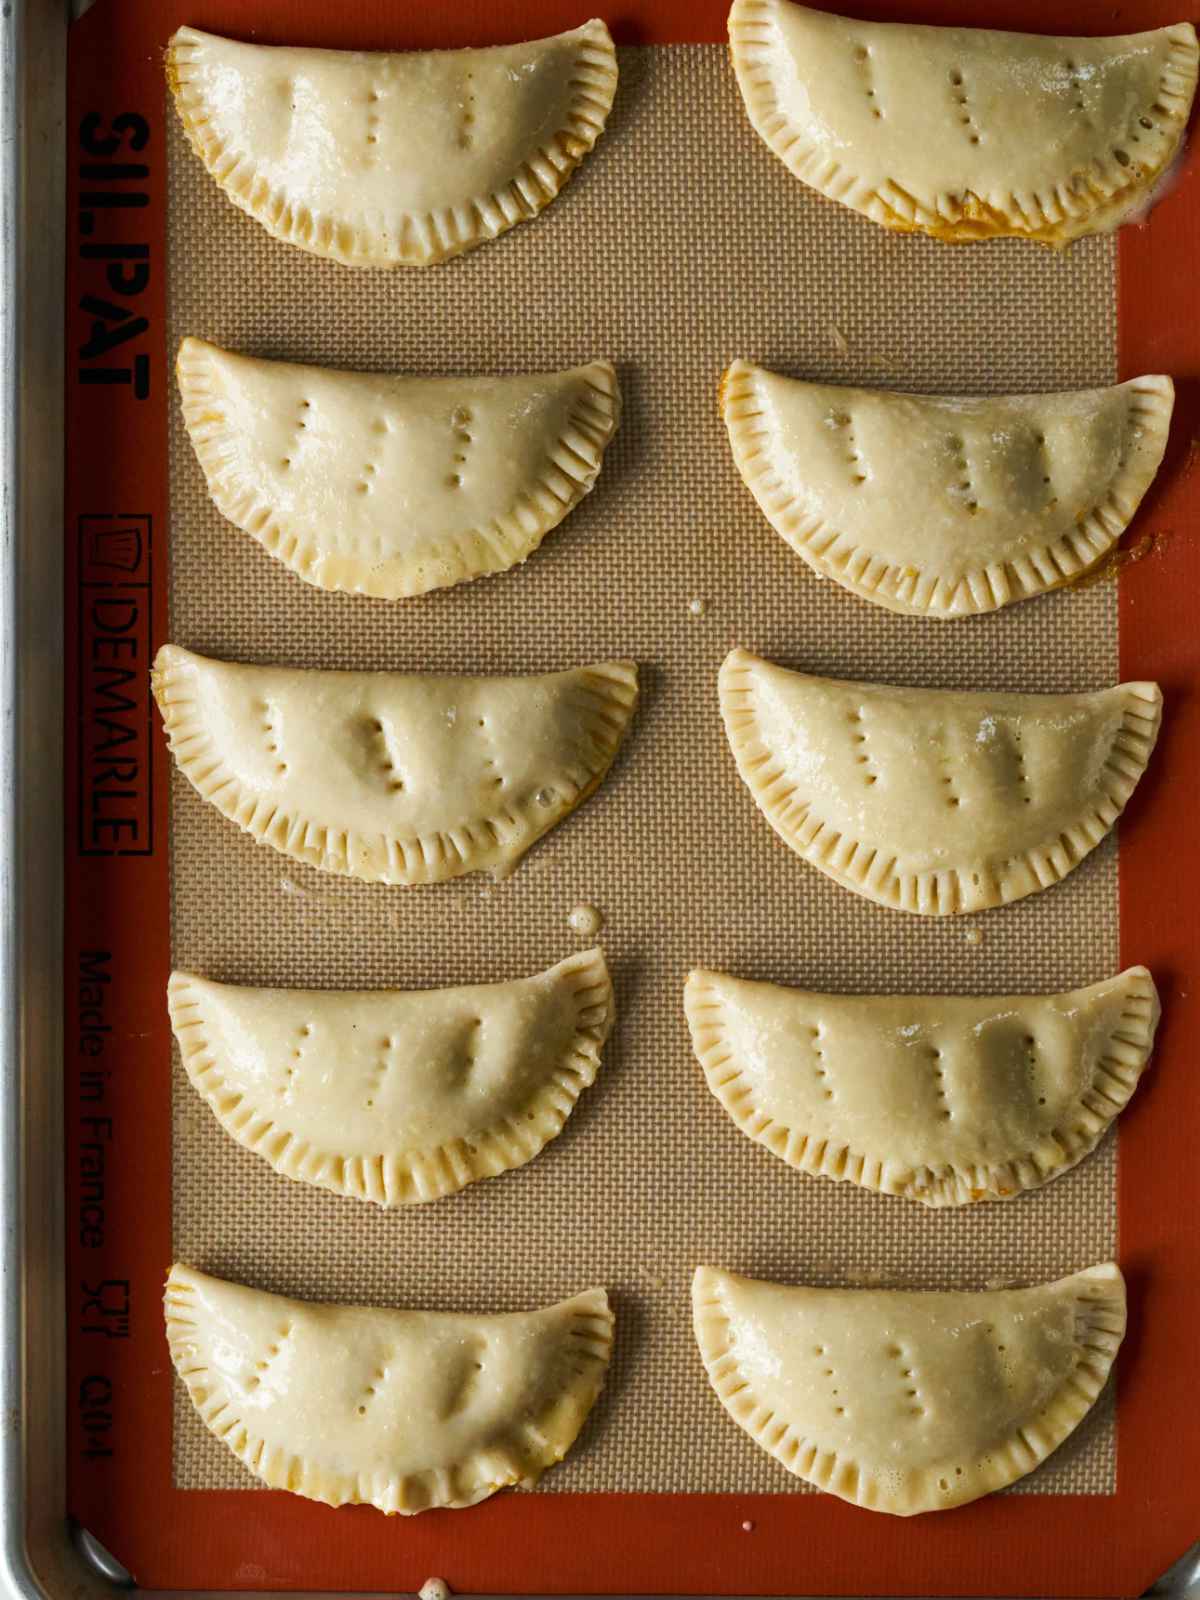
<point>943,1484</point>
<point>1145,122</point>
<point>1123,157</point>
<point>956,79</point>
<point>861,53</point>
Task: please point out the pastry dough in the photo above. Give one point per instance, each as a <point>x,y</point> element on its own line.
<point>390,777</point>
<point>945,507</point>
<point>934,800</point>
<point>388,160</point>
<point>909,1402</point>
<point>963,133</point>
<point>393,486</point>
<point>396,1097</point>
<point>401,1410</point>
<point>944,1099</point>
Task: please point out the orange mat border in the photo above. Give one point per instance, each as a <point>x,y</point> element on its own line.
<point>118,1040</point>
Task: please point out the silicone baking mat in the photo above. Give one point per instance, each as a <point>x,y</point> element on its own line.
<point>679,245</point>
<point>650,1177</point>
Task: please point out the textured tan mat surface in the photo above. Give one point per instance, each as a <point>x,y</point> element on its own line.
<point>680,244</point>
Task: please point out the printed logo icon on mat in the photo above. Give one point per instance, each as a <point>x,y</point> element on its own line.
<point>115,645</point>
<point>112,549</point>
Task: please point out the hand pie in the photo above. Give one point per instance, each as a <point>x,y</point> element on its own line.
<point>401,1410</point>
<point>964,133</point>
<point>945,1099</point>
<point>389,1096</point>
<point>935,800</point>
<point>908,1402</point>
<point>393,486</point>
<point>945,507</point>
<point>390,777</point>
<point>392,160</point>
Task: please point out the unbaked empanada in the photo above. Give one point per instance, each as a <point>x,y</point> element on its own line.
<point>393,486</point>
<point>385,160</point>
<point>401,1410</point>
<point>392,777</point>
<point>391,1096</point>
<point>964,133</point>
<point>945,1099</point>
<point>935,800</point>
<point>907,1402</point>
<point>945,507</point>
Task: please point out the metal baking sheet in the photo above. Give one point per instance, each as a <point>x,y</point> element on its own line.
<point>37,901</point>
